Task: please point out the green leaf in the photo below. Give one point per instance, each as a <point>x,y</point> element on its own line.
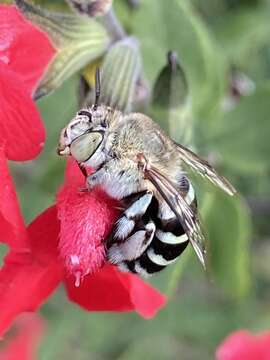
<point>242,137</point>
<point>243,32</point>
<point>173,26</point>
<point>229,230</point>
<point>177,272</point>
<point>120,73</point>
<point>166,348</point>
<point>78,41</point>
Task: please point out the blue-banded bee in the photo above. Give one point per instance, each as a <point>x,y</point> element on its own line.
<point>138,164</point>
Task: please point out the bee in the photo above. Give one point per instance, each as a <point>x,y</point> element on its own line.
<point>135,162</point>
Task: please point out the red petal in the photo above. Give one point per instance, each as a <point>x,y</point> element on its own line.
<point>21,131</point>
<point>25,283</point>
<point>109,290</point>
<point>44,236</point>
<point>12,227</point>
<point>86,220</point>
<point>23,47</point>
<point>244,345</point>
<point>25,338</point>
<point>24,286</point>
<point>146,300</point>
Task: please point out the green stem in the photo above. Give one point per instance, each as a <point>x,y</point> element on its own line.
<point>113,26</point>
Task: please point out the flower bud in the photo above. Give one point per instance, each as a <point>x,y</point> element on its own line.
<point>120,73</point>
<point>171,101</point>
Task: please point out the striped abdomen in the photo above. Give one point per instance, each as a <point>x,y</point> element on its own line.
<point>168,240</point>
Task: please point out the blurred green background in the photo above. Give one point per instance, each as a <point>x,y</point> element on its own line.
<point>224,49</point>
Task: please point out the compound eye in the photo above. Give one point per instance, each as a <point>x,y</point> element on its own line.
<point>84,146</point>
<point>85,113</point>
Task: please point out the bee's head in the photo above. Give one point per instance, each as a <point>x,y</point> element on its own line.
<point>84,135</point>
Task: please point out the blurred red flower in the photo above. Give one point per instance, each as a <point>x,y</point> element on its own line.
<point>23,341</point>
<point>38,261</point>
<point>25,52</point>
<point>245,345</point>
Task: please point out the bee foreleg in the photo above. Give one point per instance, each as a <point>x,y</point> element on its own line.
<point>95,179</point>
<point>83,169</point>
<point>119,178</point>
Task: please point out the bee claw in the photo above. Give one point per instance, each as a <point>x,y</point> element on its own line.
<point>120,208</point>
<point>83,169</point>
<point>84,189</point>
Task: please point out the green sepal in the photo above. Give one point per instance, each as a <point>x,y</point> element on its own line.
<point>78,41</point>
<point>120,73</point>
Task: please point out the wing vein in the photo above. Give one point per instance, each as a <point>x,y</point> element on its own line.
<point>183,212</point>
<point>204,169</point>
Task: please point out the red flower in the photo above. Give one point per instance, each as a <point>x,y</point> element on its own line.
<point>64,243</point>
<point>244,345</point>
<point>39,261</point>
<point>25,52</point>
<point>82,228</point>
<point>24,340</point>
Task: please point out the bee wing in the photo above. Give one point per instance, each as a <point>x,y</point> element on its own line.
<point>184,213</point>
<point>202,167</point>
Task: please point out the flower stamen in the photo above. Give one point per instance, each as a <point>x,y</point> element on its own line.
<point>78,276</point>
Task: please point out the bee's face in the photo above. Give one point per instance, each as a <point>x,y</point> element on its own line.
<point>84,134</point>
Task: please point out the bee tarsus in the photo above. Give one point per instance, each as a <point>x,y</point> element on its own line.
<point>83,170</point>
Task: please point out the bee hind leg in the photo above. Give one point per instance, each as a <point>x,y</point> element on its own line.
<point>135,206</point>
<point>133,231</point>
<point>134,246</point>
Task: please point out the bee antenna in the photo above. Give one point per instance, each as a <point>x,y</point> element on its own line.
<point>97,88</point>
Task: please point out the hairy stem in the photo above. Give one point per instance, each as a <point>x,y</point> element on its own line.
<point>113,26</point>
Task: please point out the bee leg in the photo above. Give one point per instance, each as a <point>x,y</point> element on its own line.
<point>95,178</point>
<point>169,240</point>
<point>133,231</point>
<point>83,169</point>
<point>134,246</point>
<point>136,206</point>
